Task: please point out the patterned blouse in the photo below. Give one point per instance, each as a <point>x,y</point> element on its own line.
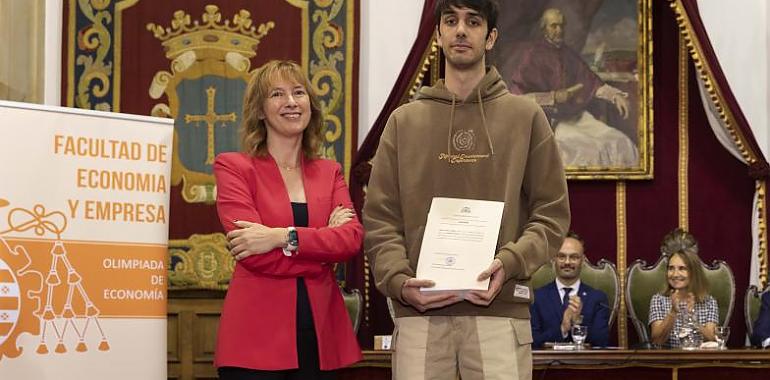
<point>705,312</point>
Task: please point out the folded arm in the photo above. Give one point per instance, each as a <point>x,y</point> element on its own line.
<point>236,203</point>
<point>333,244</point>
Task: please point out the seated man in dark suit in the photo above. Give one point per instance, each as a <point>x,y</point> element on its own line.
<point>761,335</point>
<point>566,301</point>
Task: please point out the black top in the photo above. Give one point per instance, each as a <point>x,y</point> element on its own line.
<point>304,312</point>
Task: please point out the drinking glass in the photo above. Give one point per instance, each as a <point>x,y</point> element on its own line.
<point>579,333</point>
<point>722,334</point>
<point>689,338</point>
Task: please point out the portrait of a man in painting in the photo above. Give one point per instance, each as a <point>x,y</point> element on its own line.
<point>585,62</point>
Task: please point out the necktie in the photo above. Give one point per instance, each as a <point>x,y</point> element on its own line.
<point>565,299</point>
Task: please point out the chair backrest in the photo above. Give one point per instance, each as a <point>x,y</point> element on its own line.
<point>722,288</point>
<point>751,305</point>
<point>602,276</point>
<point>353,303</point>
<point>643,281</point>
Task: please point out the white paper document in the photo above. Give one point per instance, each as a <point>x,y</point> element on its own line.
<point>459,243</point>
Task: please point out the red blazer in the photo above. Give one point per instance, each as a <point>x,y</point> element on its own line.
<point>258,325</point>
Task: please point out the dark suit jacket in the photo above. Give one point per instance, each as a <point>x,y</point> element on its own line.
<point>547,314</point>
<point>762,324</point>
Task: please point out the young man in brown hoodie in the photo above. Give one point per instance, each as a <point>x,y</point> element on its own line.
<point>465,137</point>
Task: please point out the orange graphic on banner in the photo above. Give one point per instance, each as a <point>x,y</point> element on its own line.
<point>122,280</point>
<point>60,322</point>
<point>19,298</point>
<point>54,289</point>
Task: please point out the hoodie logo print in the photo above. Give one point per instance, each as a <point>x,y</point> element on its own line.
<point>464,140</point>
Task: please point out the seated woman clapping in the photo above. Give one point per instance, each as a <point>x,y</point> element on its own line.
<point>685,305</point>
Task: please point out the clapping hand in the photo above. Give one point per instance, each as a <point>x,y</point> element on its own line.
<point>680,296</point>
<point>572,314</point>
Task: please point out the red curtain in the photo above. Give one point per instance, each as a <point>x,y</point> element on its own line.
<point>720,187</point>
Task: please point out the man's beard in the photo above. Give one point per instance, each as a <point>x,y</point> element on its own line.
<point>571,274</point>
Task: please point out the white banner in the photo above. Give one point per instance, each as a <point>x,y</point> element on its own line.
<point>84,208</point>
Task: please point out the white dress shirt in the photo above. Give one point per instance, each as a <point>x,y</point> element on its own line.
<point>560,287</point>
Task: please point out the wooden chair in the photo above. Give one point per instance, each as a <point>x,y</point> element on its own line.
<point>643,281</point>
<point>602,276</point>
<point>751,305</point>
<point>354,303</point>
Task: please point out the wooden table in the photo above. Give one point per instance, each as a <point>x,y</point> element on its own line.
<point>731,364</point>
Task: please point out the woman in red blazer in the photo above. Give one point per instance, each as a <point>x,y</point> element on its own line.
<point>288,218</point>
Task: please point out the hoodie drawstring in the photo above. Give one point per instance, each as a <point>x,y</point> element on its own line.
<point>484,122</point>
<point>451,129</point>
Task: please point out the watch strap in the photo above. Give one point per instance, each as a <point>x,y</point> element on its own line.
<point>292,242</point>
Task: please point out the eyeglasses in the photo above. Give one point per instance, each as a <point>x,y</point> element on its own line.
<point>565,258</point>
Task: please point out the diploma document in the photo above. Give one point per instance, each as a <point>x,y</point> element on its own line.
<point>459,243</point>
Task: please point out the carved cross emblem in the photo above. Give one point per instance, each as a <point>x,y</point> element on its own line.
<point>211,118</point>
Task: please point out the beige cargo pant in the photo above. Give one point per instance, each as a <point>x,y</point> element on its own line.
<point>475,348</point>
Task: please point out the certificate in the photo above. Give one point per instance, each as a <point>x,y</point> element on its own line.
<point>459,243</point>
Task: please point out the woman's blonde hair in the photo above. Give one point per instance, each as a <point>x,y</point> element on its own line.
<point>253,129</point>
<point>683,244</point>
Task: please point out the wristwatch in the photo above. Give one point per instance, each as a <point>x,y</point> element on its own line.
<point>292,242</point>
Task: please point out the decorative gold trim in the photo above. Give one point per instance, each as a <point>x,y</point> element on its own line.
<point>684,138</point>
<point>349,50</point>
<point>202,262</point>
<point>429,64</point>
<point>95,41</point>
<point>620,221</point>
<point>119,8</point>
<point>71,54</point>
<point>367,297</point>
<point>95,68</point>
<point>330,45</point>
<point>194,53</point>
<point>761,191</point>
<point>706,74</point>
<point>435,68</point>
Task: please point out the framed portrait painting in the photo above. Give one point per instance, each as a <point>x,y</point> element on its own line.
<point>588,64</point>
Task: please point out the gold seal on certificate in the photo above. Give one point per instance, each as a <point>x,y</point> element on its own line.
<point>459,243</point>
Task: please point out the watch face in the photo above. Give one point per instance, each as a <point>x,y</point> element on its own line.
<point>293,238</point>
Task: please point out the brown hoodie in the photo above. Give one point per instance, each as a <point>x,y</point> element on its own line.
<point>491,146</point>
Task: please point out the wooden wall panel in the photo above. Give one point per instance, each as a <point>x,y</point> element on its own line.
<point>193,319</point>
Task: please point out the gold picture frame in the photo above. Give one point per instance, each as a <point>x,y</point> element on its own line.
<point>588,63</point>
